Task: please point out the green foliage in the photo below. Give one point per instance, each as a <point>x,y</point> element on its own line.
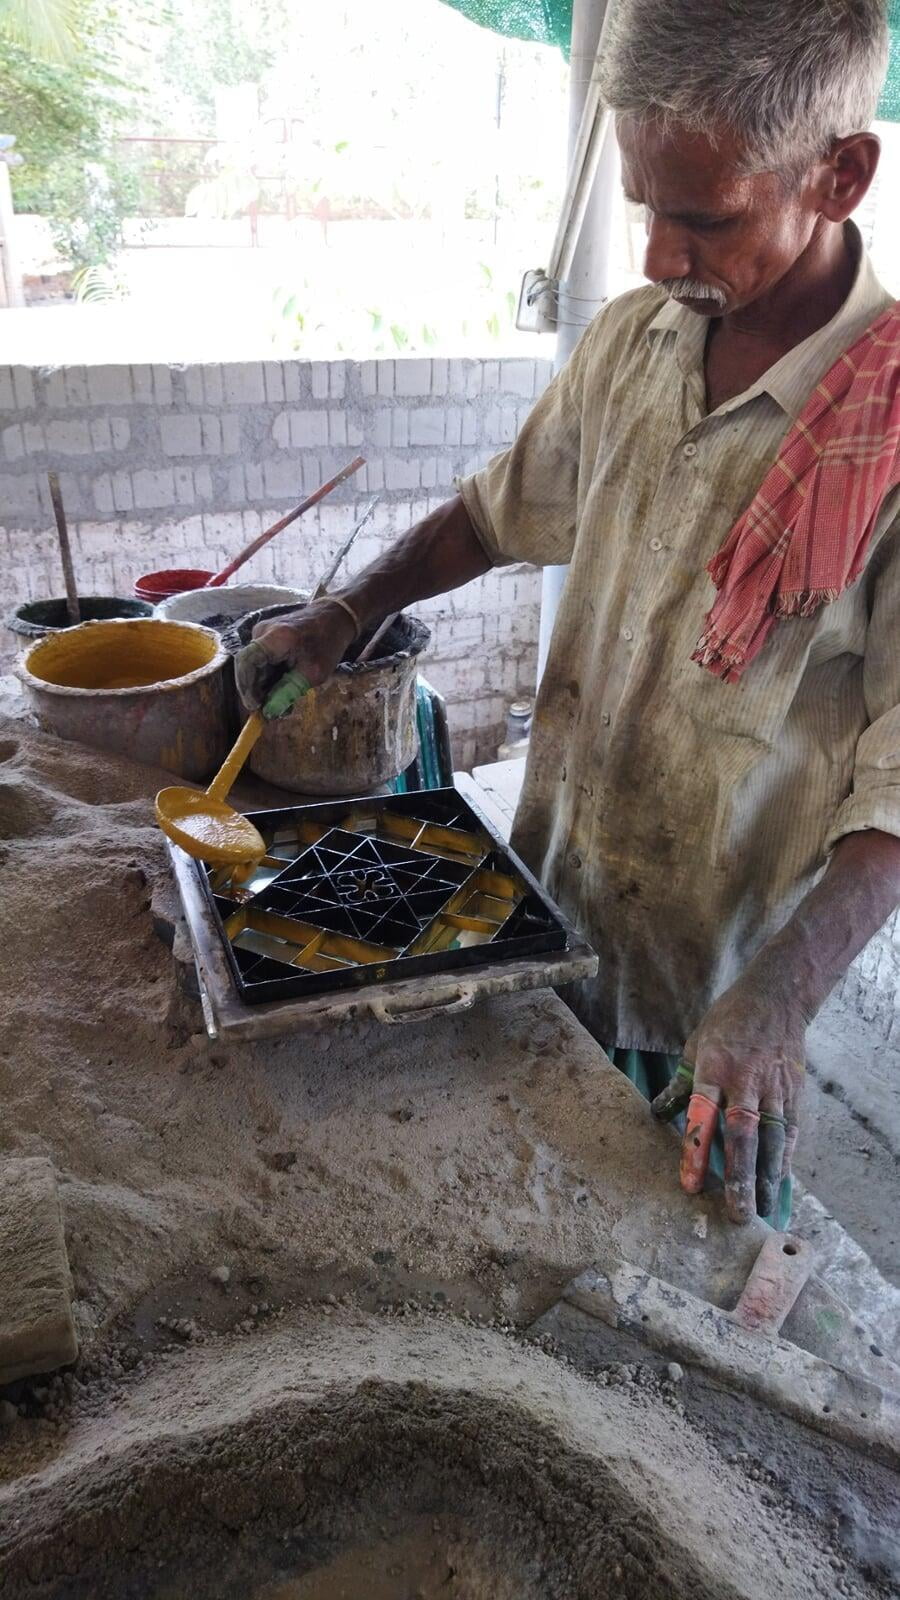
<point>47,29</point>
<point>65,115</point>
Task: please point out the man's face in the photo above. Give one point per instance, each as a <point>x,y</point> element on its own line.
<point>708,226</point>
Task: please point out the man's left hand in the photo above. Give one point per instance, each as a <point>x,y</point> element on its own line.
<point>747,1059</point>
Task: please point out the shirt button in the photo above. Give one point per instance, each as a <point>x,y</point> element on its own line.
<point>606,719</point>
<point>575,861</point>
<point>690,450</point>
<point>656,544</point>
<point>628,633</point>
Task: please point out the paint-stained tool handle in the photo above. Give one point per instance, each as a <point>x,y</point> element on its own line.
<point>73,606</point>
<point>278,527</point>
<point>291,688</point>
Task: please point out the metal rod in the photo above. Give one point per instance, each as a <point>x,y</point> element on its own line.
<point>326,578</point>
<point>378,635</point>
<point>65,550</point>
<point>278,527</point>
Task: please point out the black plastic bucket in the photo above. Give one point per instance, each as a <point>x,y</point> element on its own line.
<point>37,617</point>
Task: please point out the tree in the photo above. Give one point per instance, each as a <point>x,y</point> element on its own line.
<point>65,111</point>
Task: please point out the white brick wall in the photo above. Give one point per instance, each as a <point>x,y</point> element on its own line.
<point>165,466</point>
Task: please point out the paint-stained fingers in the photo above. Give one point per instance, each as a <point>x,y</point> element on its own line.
<point>700,1129</point>
<point>741,1146</point>
<point>675,1096</point>
<point>770,1160</point>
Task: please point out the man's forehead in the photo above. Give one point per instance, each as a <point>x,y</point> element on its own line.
<point>683,170</point>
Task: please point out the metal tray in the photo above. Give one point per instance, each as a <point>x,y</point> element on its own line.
<point>529,943</point>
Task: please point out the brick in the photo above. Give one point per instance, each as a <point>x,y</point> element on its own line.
<point>13,443</point>
<point>428,473</point>
<point>235,487</point>
<point>385,377</point>
<point>273,378</point>
<point>227,527</point>
<point>103,495</point>
<point>281,430</point>
<point>55,387</point>
<point>153,487</point>
<point>373,472</point>
<point>378,428</point>
<point>337,380</point>
<point>368,378</point>
<point>244,383</point>
<point>292,383</point>
<point>253,475</point>
<point>313,472</point>
<point>33,435</point>
<point>337,428</point>
<point>180,436</point>
<point>203,487</point>
<point>490,377</point>
<point>440,375</point>
<point>318,374</point>
<point>231,434</point>
<point>355,434</point>
<point>7,393</point>
<point>162,385</point>
<point>101,433</point>
<point>193,385</point>
<point>142,384</point>
<point>453,427</point>
<point>281,479</point>
<point>184,486</point>
<point>500,425</point>
<point>122,492</point>
<point>213,386</point>
<point>413,377</point>
<point>19,492</point>
<point>469,432</point>
<point>426,425</point>
<point>517,377</point>
<point>400,429</point>
<point>308,429</point>
<point>69,438</point>
<point>76,386</point>
<point>253,524</point>
<point>109,386</point>
<point>210,433</point>
<point>400,474</point>
<point>121,432</point>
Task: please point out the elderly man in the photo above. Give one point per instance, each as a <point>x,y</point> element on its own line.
<point>713,795</point>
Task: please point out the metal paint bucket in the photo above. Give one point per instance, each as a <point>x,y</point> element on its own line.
<point>37,617</point>
<point>231,602</point>
<point>357,731</point>
<point>153,691</point>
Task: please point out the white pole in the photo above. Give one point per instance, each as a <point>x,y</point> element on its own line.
<point>11,291</point>
<point>585,288</point>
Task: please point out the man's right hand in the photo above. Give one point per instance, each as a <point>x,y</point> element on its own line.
<point>313,639</point>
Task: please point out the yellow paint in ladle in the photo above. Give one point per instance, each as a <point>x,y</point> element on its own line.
<point>199,820</point>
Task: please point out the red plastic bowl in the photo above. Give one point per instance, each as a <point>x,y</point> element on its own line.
<point>156,586</point>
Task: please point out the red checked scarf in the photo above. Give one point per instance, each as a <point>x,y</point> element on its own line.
<point>805,536</point>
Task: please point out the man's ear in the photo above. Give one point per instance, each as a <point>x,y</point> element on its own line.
<point>843,179</point>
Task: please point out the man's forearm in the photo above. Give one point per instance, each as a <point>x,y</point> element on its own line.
<point>833,923</point>
<point>442,552</point>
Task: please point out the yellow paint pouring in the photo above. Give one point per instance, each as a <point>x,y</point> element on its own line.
<point>121,655</point>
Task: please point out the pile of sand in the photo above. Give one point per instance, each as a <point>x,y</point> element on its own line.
<point>457,1168</point>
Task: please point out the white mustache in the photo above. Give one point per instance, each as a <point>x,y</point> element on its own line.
<point>691,289</point>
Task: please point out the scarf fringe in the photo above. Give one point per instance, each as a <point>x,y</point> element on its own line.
<point>804,602</point>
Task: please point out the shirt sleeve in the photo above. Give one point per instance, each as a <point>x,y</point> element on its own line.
<point>874,801</point>
<point>524,504</point>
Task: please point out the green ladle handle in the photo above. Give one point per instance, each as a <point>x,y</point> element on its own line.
<point>289,689</point>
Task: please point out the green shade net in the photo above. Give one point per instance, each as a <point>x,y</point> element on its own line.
<point>550,22</point>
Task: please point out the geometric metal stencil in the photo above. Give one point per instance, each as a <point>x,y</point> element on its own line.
<point>365,891</point>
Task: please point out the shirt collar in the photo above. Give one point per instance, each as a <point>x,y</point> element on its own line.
<point>792,379</point>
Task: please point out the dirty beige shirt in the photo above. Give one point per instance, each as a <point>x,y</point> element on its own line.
<point>678,819</point>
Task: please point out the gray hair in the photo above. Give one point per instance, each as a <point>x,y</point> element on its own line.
<point>787,77</point>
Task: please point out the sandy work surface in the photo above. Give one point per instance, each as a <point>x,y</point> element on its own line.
<point>321,1458</point>
<point>236,1215</point>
